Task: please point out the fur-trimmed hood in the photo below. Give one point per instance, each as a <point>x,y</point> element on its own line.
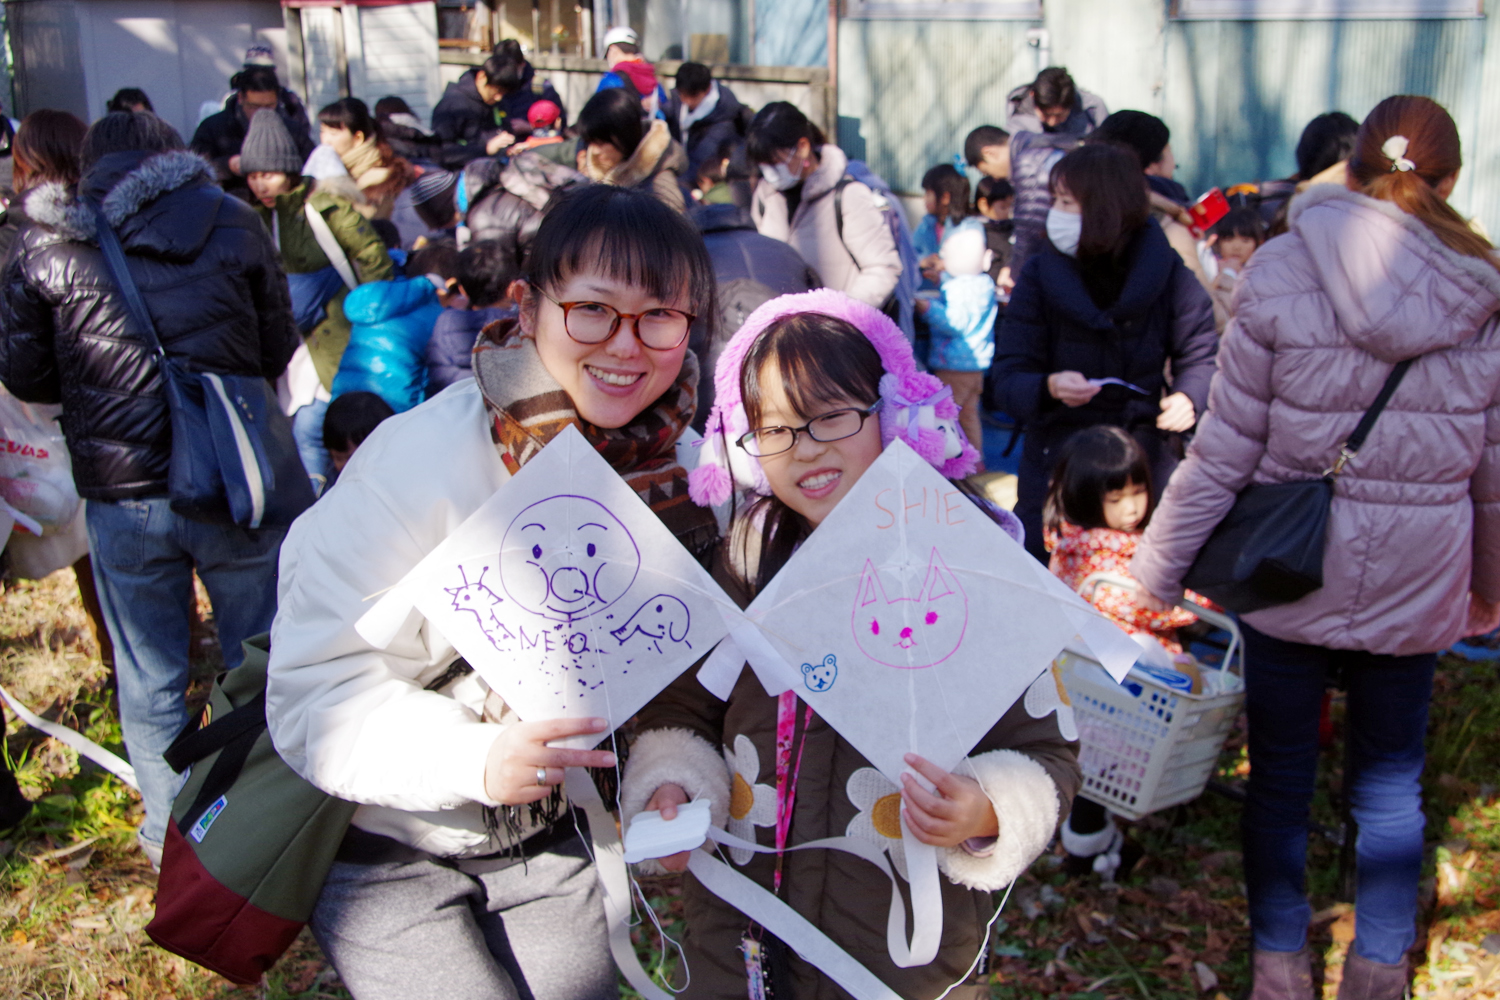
<point>125,192</point>
<point>657,151</point>
<point>1396,289</point>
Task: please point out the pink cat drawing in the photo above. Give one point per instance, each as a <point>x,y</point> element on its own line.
<point>914,632</point>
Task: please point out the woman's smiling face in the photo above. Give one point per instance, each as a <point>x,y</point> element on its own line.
<point>613,382</point>
<point>813,476</point>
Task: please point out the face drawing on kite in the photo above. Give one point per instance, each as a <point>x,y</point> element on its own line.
<point>566,558</point>
<point>663,618</point>
<point>820,677</point>
<point>910,632</point>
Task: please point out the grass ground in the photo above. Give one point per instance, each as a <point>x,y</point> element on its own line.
<point>75,894</point>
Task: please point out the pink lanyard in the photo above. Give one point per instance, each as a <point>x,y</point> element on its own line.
<point>787,770</point>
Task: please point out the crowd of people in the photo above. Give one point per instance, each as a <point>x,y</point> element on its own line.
<point>436,301</point>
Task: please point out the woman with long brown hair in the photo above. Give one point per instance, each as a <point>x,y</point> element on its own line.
<point>46,148</point>
<point>1092,323</point>
<point>1382,273</point>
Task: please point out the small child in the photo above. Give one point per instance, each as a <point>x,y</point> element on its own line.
<point>350,419</point>
<point>962,322</point>
<point>711,185</point>
<point>945,195</point>
<point>485,271</point>
<point>1235,237</point>
<point>1098,505</point>
<point>995,202</point>
<point>543,117</point>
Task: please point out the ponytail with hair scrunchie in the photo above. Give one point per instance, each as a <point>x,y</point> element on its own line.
<point>1394,149</point>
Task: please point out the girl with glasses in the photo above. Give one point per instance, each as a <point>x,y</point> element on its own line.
<point>429,894</point>
<point>807,393</point>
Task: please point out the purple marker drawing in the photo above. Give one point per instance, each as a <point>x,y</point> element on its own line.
<point>940,611</point>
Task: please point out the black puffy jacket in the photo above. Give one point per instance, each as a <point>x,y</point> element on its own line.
<point>205,266</point>
<point>507,201</point>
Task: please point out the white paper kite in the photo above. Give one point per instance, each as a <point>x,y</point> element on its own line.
<point>564,592</point>
<point>910,621</point>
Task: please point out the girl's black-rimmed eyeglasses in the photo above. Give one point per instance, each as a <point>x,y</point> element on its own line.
<point>833,426</point>
<point>595,323</point>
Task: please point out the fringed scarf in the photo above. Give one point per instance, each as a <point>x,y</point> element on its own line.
<point>529,408</point>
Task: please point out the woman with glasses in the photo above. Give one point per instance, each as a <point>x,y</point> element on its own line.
<point>799,416</point>
<point>463,874</point>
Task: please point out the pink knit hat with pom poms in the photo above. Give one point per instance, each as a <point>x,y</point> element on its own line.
<point>913,404</point>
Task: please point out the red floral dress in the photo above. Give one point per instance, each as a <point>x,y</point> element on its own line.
<point>1078,553</point>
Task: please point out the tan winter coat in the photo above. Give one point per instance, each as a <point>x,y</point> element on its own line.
<point>726,752</point>
<point>656,164</point>
<point>1320,317</point>
<point>864,264</point>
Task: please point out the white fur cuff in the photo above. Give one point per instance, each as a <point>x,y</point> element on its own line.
<point>1026,806</point>
<point>673,757</point>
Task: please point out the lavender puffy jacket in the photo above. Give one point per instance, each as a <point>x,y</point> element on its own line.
<point>1322,315</point>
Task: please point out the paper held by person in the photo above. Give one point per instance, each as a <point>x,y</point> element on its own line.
<point>565,592</point>
<point>910,621</point>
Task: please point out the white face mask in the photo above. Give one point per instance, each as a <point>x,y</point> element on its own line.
<point>1064,229</point>
<point>779,176</point>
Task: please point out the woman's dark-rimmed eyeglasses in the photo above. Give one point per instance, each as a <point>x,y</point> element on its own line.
<point>595,323</point>
<point>833,426</point>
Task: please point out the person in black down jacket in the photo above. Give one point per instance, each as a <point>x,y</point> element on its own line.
<point>506,201</point>
<point>219,136</point>
<point>1107,298</point>
<point>748,269</point>
<point>207,270</point>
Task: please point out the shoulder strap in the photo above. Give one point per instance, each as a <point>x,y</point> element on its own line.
<point>194,743</point>
<point>838,209</point>
<point>1362,431</point>
<point>329,245</point>
<point>114,259</point>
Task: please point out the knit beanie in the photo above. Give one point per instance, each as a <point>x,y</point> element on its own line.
<point>268,146</point>
<point>432,184</point>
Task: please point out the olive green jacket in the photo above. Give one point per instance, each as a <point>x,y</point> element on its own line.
<point>301,254</point>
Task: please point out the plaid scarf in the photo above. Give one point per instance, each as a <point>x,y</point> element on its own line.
<point>529,408</point>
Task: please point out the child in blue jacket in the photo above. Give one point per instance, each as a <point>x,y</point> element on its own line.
<point>962,322</point>
<point>485,271</point>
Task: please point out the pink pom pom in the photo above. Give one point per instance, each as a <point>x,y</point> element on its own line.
<point>709,484</point>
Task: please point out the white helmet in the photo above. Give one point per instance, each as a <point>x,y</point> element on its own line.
<point>620,33</point>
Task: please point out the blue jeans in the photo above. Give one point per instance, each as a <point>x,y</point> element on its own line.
<point>1385,728</point>
<point>307,431</point>
<point>144,557</point>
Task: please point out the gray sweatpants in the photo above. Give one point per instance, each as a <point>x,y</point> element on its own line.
<point>421,928</point>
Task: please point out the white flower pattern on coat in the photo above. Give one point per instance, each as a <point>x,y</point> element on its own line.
<point>1046,695</point>
<point>750,804</point>
<point>879,819</point>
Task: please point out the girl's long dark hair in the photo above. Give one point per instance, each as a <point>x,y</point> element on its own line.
<point>1110,188</point>
<point>1093,462</point>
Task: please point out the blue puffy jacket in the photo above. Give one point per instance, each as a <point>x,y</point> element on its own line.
<point>387,348</point>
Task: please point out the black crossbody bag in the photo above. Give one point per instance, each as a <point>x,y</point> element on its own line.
<point>1268,550</point>
<point>234,460</point>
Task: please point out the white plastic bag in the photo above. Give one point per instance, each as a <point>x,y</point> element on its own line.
<point>33,558</point>
<point>36,474</point>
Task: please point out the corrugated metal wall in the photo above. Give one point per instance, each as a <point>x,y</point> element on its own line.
<point>1236,94</point>
<point>909,91</point>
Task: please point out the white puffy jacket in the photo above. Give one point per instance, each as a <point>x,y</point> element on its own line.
<point>355,720</point>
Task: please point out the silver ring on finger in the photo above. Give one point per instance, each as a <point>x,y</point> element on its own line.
<point>541,776</point>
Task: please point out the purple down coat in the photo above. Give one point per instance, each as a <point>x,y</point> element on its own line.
<point>1322,315</point>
